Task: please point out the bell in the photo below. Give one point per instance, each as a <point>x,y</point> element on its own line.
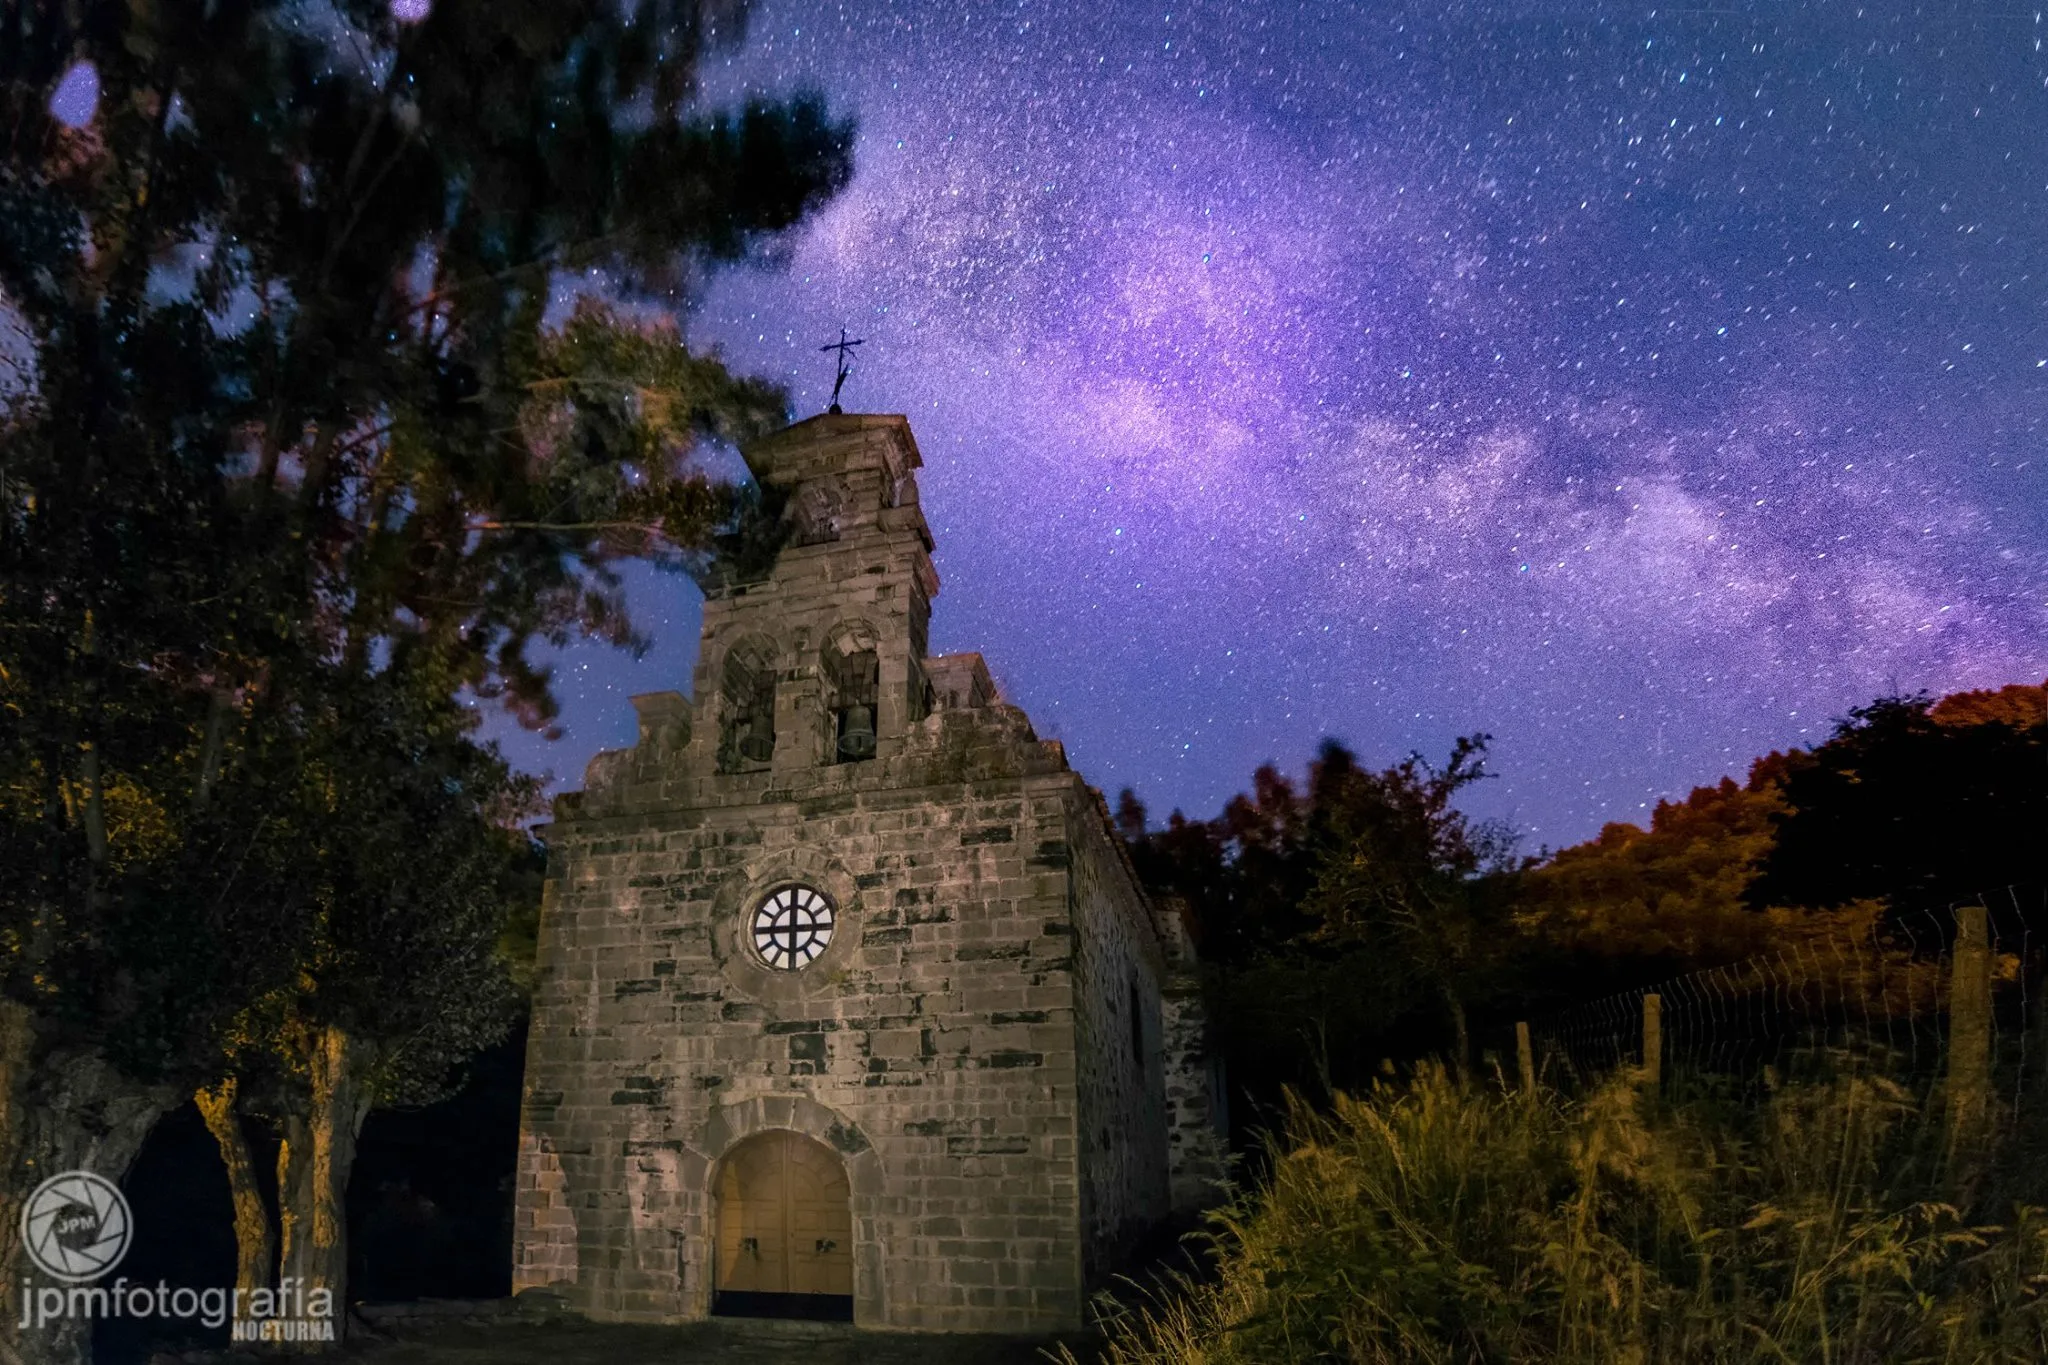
<point>759,745</point>
<point>857,733</point>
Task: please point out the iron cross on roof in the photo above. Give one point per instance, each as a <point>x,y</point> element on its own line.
<point>845,348</point>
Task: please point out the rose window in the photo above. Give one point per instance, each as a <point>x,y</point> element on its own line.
<point>792,927</point>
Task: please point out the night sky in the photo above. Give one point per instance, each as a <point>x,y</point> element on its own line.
<point>1645,387</point>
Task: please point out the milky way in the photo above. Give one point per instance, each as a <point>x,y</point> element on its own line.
<point>1645,387</point>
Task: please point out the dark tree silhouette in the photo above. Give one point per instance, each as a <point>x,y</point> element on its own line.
<point>1332,914</point>
<point>289,461</point>
<point>1920,804</point>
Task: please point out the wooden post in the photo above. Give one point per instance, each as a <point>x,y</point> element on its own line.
<point>1525,1056</point>
<point>1969,1031</point>
<point>1653,1038</point>
<point>2037,997</point>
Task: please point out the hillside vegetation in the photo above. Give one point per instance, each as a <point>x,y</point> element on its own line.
<point>1867,1187</point>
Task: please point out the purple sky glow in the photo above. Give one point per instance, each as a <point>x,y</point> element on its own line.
<point>1643,387</point>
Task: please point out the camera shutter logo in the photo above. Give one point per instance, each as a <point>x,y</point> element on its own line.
<point>76,1226</point>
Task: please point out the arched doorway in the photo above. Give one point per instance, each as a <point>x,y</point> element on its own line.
<point>785,1230</point>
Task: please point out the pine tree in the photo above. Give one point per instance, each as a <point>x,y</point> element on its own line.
<point>291,458</point>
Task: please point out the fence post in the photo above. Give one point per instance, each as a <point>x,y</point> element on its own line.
<point>1969,1031</point>
<point>2035,1048</point>
<point>1653,1039</point>
<point>1525,1056</point>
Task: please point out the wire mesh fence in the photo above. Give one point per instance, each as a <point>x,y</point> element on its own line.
<point>1920,996</point>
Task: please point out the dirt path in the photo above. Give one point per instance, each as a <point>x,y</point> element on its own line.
<point>749,1343</point>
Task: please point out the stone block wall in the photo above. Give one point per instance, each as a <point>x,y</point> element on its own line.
<point>938,1038</point>
<point>1196,1123</point>
<point>1197,1119</point>
<point>1118,967</point>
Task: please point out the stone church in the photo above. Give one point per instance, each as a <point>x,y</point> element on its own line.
<point>850,1005</point>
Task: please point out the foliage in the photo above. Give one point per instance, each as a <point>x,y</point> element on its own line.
<point>1397,881</point>
<point>1348,909</point>
<point>1916,804</point>
<point>301,454</point>
<point>2017,705</point>
<point>1904,800</point>
<point>1250,875</point>
<point>295,455</point>
<point>1359,916</point>
<point>150,949</point>
<point>409,845</point>
<point>1633,905</point>
<point>1243,874</point>
<point>1438,1222</point>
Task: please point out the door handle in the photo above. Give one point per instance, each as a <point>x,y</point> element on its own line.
<point>750,1246</point>
<point>825,1244</point>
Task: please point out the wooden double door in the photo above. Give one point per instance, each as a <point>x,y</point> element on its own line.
<point>785,1229</point>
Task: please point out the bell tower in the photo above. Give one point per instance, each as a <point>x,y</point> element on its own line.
<point>821,661</point>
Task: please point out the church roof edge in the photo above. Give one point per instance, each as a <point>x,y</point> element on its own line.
<point>833,428</point>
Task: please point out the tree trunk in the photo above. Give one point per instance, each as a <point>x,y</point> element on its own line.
<point>59,1111</point>
<point>255,1240</point>
<point>294,1191</point>
<point>313,1171</point>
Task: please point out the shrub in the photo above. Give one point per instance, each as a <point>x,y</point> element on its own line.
<point>1433,1221</point>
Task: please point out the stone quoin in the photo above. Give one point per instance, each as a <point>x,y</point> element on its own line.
<point>849,1002</point>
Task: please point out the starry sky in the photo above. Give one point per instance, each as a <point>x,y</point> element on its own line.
<point>1642,386</point>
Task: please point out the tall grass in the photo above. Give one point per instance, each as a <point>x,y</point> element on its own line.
<point>1436,1221</point>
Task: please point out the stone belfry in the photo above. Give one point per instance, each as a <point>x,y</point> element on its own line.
<point>849,1004</point>
<point>849,602</point>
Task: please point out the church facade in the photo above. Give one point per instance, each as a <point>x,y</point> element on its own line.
<point>849,1004</point>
